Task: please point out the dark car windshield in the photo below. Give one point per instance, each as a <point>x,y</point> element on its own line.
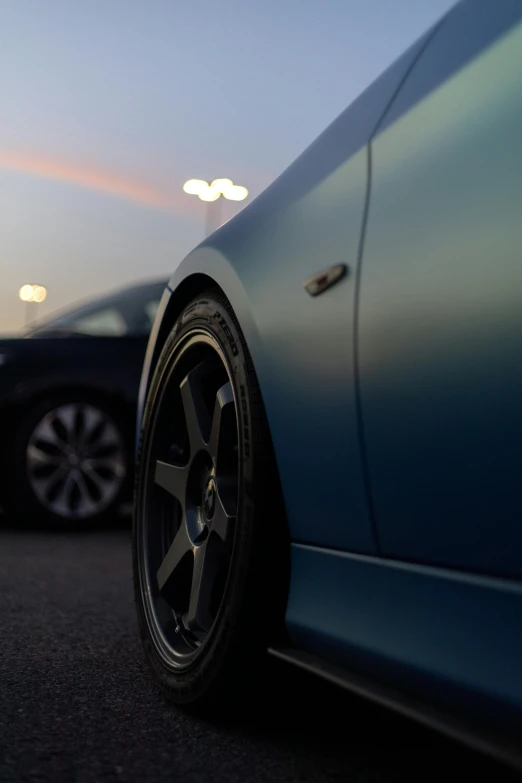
<point>128,313</point>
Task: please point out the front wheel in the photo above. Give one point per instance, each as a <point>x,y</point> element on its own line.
<point>209,545</point>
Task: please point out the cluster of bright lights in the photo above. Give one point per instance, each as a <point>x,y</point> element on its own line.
<point>32,293</point>
<point>217,188</point>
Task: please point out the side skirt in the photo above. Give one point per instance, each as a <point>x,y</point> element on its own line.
<point>503,748</point>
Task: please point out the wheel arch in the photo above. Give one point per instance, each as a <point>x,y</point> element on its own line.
<point>205,267</point>
<point>187,289</point>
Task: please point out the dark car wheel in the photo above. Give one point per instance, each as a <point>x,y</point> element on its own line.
<point>209,541</point>
<point>70,463</point>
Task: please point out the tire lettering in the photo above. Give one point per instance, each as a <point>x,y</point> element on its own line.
<point>227,331</point>
<point>246,428</point>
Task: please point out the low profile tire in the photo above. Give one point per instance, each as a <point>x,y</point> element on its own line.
<point>70,467</point>
<point>209,544</point>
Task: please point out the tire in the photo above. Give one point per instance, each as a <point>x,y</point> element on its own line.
<point>50,484</point>
<point>207,654</point>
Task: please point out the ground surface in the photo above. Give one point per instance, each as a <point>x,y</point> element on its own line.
<point>77,704</point>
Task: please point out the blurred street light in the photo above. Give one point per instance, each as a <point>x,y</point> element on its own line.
<point>31,294</point>
<point>211,193</point>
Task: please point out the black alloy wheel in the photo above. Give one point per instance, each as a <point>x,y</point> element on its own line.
<point>209,547</point>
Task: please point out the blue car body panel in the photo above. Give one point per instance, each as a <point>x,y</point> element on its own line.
<point>452,638</point>
<point>440,315</point>
<point>393,399</point>
<point>302,348</point>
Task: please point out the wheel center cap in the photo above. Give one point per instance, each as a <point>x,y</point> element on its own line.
<point>74,460</point>
<point>209,499</point>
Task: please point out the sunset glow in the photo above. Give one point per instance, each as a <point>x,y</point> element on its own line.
<point>93,180</point>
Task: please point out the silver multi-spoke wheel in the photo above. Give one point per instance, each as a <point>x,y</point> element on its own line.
<point>75,461</point>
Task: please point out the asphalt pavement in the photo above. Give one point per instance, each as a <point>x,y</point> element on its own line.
<point>77,703</point>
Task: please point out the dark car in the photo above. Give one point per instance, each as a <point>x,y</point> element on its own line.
<point>330,457</point>
<point>68,394</point>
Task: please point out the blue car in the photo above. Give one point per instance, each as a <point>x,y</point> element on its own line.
<point>330,415</point>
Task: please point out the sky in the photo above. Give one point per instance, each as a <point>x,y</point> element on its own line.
<point>108,106</point>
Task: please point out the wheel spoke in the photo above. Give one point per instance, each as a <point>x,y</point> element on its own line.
<point>196,414</point>
<point>198,618</point>
<point>224,404</point>
<point>115,465</point>
<point>46,433</point>
<point>46,484</point>
<point>91,420</point>
<point>167,571</point>
<point>103,485</point>
<point>67,417</point>
<point>86,502</point>
<point>37,456</point>
<point>223,522</point>
<point>62,502</point>
<point>102,437</point>
<point>172,478</point>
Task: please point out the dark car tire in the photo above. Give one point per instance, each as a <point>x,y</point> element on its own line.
<point>22,502</point>
<point>228,665</point>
